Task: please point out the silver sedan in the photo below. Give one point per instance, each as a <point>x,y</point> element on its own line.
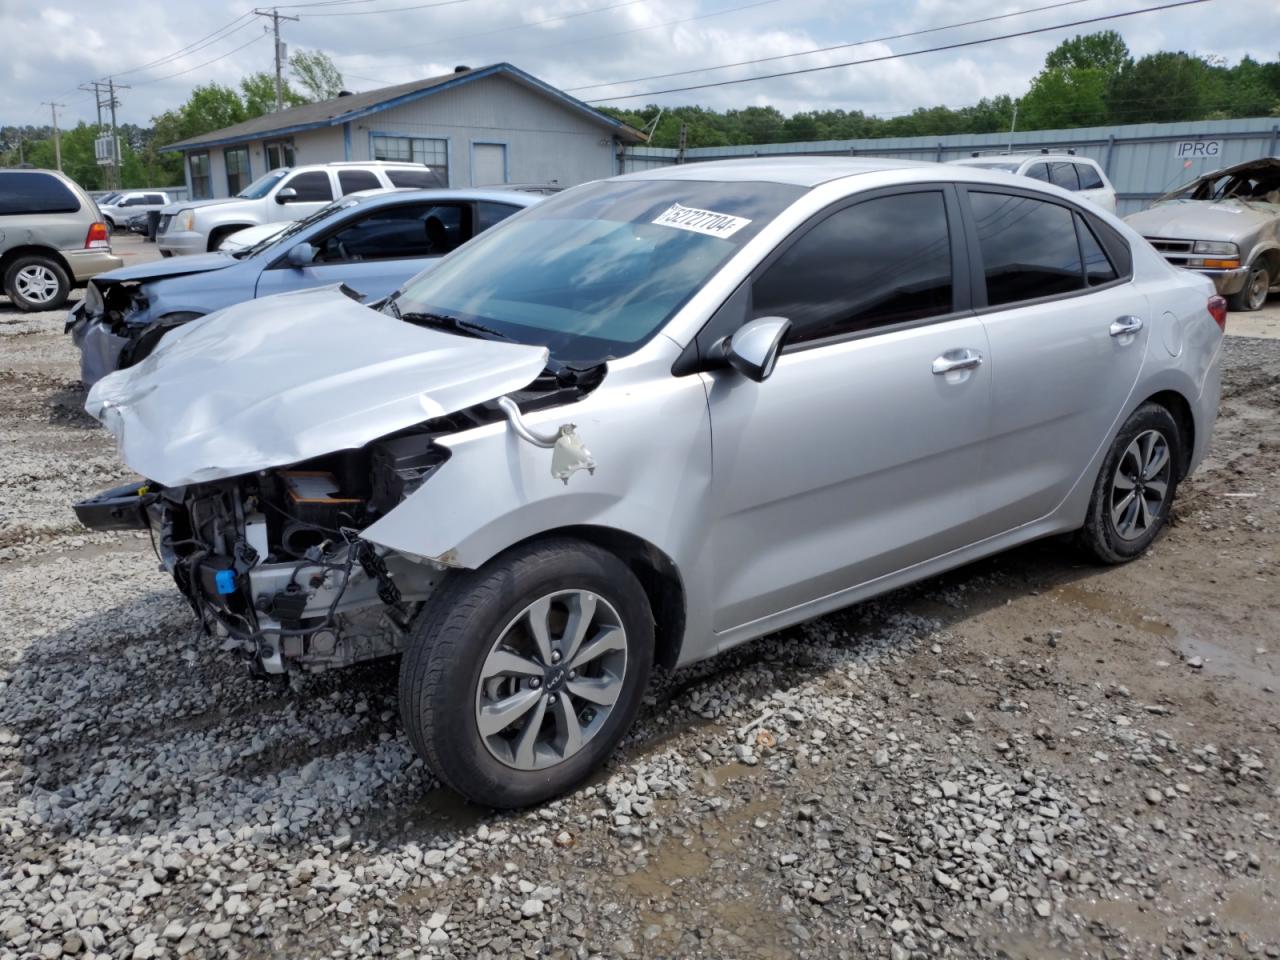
<point>655,417</point>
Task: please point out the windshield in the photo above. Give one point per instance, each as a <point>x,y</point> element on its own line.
<point>107,198</point>
<point>262,186</point>
<point>595,272</point>
<point>295,228</point>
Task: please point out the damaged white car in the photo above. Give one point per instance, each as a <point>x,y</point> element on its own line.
<point>654,417</point>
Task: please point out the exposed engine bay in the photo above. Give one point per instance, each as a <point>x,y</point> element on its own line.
<point>273,562</point>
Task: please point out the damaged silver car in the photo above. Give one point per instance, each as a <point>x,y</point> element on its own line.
<point>652,418</point>
<point>1226,225</point>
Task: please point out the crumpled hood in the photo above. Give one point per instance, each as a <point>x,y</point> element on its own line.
<point>169,267</point>
<point>1202,219</point>
<point>286,378</point>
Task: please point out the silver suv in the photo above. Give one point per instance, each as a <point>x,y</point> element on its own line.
<point>289,193</point>
<point>51,238</point>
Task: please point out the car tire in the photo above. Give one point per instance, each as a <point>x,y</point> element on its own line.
<point>35,283</point>
<point>473,650</point>
<point>1134,492</point>
<point>1253,295</point>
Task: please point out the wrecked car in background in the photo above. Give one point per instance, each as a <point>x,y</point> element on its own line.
<point>1226,225</point>
<point>506,472</point>
<point>373,242</point>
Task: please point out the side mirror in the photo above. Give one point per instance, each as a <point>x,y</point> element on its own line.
<point>286,195</point>
<point>304,254</point>
<point>753,350</point>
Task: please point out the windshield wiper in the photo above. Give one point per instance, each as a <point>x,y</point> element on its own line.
<point>452,324</point>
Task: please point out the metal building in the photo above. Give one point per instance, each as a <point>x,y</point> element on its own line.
<point>1143,161</point>
<point>475,127</point>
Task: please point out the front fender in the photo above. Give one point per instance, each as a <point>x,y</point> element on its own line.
<point>652,444</point>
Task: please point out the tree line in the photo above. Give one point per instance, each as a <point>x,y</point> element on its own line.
<point>209,107</point>
<point>1089,80</point>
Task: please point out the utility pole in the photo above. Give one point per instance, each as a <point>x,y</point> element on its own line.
<point>276,16</point>
<point>108,153</point>
<point>57,136</point>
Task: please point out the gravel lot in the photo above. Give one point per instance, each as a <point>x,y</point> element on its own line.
<point>1028,758</point>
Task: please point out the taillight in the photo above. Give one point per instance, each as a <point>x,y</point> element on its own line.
<point>97,235</point>
<point>1218,310</point>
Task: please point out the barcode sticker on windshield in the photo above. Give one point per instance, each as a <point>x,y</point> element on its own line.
<point>701,221</point>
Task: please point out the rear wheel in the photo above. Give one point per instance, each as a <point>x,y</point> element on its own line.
<point>521,677</point>
<point>1254,293</point>
<point>1135,489</point>
<point>34,282</point>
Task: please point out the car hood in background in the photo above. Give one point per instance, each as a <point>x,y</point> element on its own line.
<point>1203,219</point>
<point>170,267</point>
<point>286,378</point>
<point>192,204</point>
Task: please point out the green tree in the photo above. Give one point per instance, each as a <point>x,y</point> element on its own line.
<point>1160,88</point>
<point>1105,51</point>
<point>259,93</point>
<point>316,73</point>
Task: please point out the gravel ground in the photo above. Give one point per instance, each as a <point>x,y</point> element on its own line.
<point>1027,758</point>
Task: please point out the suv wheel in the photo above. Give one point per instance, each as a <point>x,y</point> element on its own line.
<point>1135,489</point>
<point>521,677</point>
<point>34,282</point>
<point>1254,293</point>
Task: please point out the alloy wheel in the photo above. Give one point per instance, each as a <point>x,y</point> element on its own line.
<point>1140,485</point>
<point>551,679</point>
<point>36,283</point>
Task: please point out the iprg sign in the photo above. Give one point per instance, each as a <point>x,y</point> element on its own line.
<point>1195,149</point>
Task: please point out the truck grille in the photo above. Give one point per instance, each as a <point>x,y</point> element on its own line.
<point>1177,252</point>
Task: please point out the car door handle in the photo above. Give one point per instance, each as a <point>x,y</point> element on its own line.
<point>1125,325</point>
<point>957,360</point>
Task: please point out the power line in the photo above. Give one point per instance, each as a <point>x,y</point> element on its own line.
<point>221,33</point>
<point>488,33</point>
<point>837,46</point>
<point>370,13</point>
<point>897,56</point>
<point>143,83</point>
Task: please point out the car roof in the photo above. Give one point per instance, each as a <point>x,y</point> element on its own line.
<point>797,171</point>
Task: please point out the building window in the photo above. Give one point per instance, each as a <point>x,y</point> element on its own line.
<point>237,169</point>
<point>279,154</point>
<point>201,185</point>
<point>434,153</point>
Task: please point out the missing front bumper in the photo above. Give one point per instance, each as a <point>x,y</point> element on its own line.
<point>120,508</point>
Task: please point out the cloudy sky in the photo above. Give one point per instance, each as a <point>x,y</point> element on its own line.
<point>162,48</point>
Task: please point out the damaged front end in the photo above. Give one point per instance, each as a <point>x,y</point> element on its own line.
<point>112,328</point>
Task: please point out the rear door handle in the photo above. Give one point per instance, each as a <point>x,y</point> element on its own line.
<point>957,360</point>
<point>1125,325</point>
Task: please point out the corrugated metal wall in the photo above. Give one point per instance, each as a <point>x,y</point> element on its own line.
<point>1140,159</point>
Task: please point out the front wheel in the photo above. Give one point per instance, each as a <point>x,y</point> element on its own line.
<point>1254,293</point>
<point>1135,489</point>
<point>521,677</point>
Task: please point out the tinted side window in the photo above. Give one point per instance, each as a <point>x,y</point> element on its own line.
<point>352,180</point>
<point>1064,175</point>
<point>1038,171</point>
<point>879,262</point>
<point>412,230</point>
<point>1090,179</point>
<point>1028,247</point>
<point>35,193</point>
<point>487,214</point>
<point>1098,268</point>
<point>415,178</point>
<point>155,198</point>
<point>312,187</point>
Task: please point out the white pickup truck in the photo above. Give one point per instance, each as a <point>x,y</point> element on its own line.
<point>200,226</point>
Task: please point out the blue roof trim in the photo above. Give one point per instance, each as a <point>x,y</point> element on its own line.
<point>498,68</point>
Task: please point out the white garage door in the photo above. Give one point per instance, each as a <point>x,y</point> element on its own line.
<point>489,164</point>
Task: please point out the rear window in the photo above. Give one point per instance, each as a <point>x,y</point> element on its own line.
<point>1029,248</point>
<point>27,193</point>
<point>415,178</point>
<point>1090,179</point>
<point>352,180</point>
